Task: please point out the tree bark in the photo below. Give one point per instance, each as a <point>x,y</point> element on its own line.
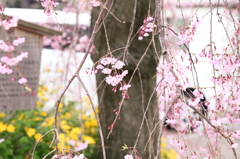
<point>126,129</point>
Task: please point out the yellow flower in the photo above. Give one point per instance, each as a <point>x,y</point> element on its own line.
<point>60,105</point>
<point>37,119</point>
<point>59,70</point>
<point>47,69</point>
<point>45,88</point>
<point>97,110</point>
<point>87,124</point>
<point>38,104</point>
<point>63,139</point>
<point>92,130</point>
<point>48,121</point>
<point>37,136</point>
<point>3,127</point>
<point>68,115</point>
<point>41,94</point>
<point>39,89</point>
<point>21,117</point>
<point>89,139</point>
<point>43,114</point>
<point>86,100</point>
<point>10,128</point>
<point>44,99</point>
<point>84,117</point>
<point>93,123</point>
<point>76,130</point>
<point>72,135</point>
<point>31,132</point>
<point>2,115</point>
<point>66,127</point>
<point>68,148</point>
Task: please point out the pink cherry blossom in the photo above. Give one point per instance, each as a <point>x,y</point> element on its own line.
<point>55,157</point>
<point>181,150</point>
<point>84,39</point>
<point>113,60</point>
<point>106,60</point>
<point>12,61</point>
<point>119,65</point>
<point>2,140</point>
<point>193,157</point>
<point>24,55</point>
<point>48,5</point>
<point>124,73</point>
<point>81,156</point>
<point>18,41</point>
<point>99,67</point>
<point>185,37</point>
<point>4,69</point>
<point>110,79</point>
<point>148,26</point>
<point>125,87</point>
<point>80,146</point>
<point>106,71</point>
<point>22,80</point>
<point>197,93</point>
<point>171,121</point>
<point>9,23</point>
<point>235,145</point>
<point>4,59</point>
<point>95,3</point>
<point>173,142</point>
<point>5,47</point>
<point>80,47</point>
<point>72,142</point>
<point>216,122</point>
<point>128,157</point>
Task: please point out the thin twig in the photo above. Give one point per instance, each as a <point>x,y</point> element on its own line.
<point>162,125</point>
<point>217,129</point>
<point>130,30</point>
<point>95,113</point>
<point>39,141</point>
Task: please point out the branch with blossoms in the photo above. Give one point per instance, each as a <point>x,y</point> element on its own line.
<point>11,56</point>
<point>174,87</point>
<point>171,71</point>
<point>88,49</point>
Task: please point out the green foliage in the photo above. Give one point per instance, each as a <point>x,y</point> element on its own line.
<point>22,129</point>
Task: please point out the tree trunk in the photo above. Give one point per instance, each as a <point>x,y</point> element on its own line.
<point>126,129</point>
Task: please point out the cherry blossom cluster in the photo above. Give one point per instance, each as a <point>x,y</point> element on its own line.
<point>63,42</point>
<point>187,34</point>
<point>95,3</point>
<point>226,62</point>
<point>128,157</point>
<point>14,60</point>
<point>9,59</point>
<point>49,6</point>
<point>113,69</point>
<point>81,156</point>
<point>78,146</point>
<point>82,44</point>
<point>147,27</point>
<point>9,22</point>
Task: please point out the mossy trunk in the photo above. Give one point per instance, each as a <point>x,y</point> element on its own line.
<point>126,129</point>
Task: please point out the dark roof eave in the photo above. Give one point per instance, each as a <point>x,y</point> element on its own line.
<point>35,28</point>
